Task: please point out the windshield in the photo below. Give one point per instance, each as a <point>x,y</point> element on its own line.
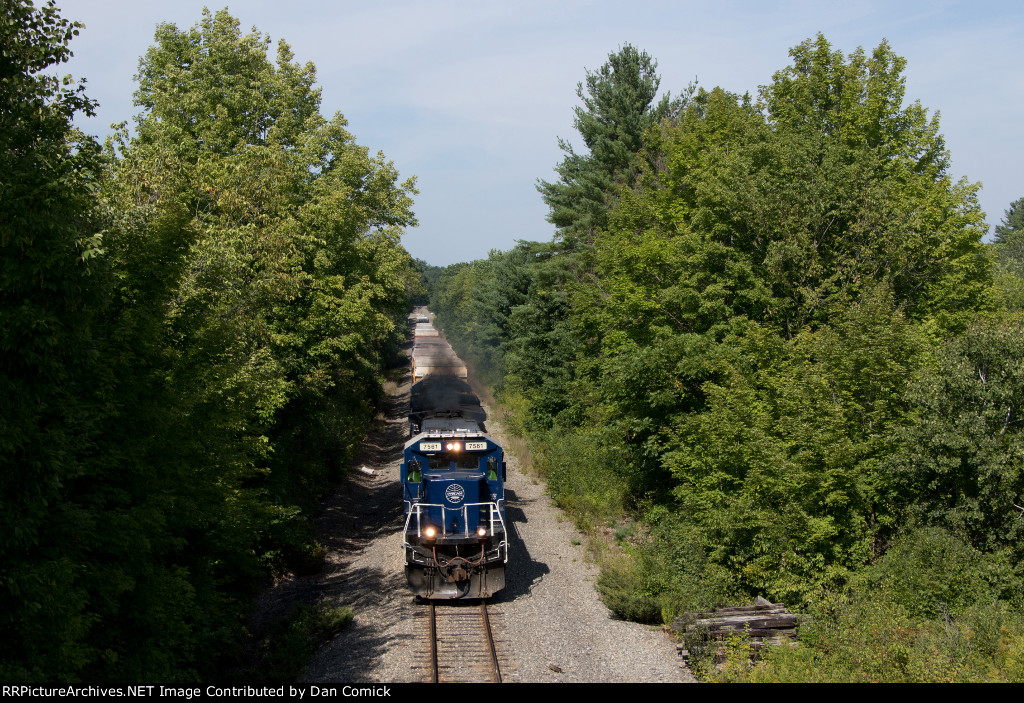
<point>462,461</point>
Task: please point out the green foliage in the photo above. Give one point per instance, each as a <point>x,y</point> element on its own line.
<point>759,302</point>
<point>177,392</point>
<point>1008,250</point>
<point>542,345</point>
<point>1008,288</point>
<point>930,572</point>
<point>933,609</point>
<point>764,331</point>
<point>618,107</point>
<point>53,283</point>
<point>1010,232</point>
<point>779,468</point>
<point>870,639</point>
<point>960,457</point>
<point>293,640</point>
<point>751,326</point>
<point>777,217</point>
<point>701,649</point>
<point>737,664</point>
<point>506,315</point>
<point>424,279</point>
<point>631,592</point>
<point>280,289</point>
<point>664,572</point>
<point>456,300</point>
<point>586,477</point>
<point>895,215</point>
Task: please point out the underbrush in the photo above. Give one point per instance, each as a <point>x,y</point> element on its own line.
<point>294,639</point>
<point>639,579</point>
<point>583,477</point>
<point>632,590</point>
<point>933,609</point>
<point>864,638</point>
<point>652,580</point>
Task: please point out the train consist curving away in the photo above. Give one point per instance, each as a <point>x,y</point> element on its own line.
<point>453,480</point>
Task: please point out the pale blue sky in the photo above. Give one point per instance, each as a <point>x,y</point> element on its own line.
<point>471,97</point>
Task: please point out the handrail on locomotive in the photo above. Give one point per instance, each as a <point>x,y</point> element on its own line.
<point>415,509</point>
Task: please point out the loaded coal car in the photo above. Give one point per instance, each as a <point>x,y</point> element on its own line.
<point>440,396</point>
<point>453,487</point>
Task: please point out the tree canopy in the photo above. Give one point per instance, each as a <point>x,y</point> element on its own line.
<point>196,327</point>
<point>741,339</point>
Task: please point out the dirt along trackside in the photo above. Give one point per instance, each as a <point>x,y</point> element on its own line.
<point>360,525</point>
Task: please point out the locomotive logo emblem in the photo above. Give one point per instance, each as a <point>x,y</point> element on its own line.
<point>454,493</point>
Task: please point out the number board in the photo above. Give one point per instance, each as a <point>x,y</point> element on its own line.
<point>430,446</point>
<point>475,446</point>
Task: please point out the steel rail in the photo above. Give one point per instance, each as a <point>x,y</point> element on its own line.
<point>433,644</point>
<point>495,666</point>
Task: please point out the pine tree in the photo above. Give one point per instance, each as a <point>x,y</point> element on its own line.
<point>1009,237</point>
<point>618,107</point>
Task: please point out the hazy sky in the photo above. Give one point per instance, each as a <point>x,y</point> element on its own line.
<point>471,97</point>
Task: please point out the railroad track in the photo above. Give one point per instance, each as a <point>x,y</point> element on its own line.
<point>462,645</point>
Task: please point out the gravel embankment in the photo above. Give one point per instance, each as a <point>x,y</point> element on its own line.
<point>551,625</point>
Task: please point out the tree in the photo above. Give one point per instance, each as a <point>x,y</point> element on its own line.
<point>882,204</point>
<point>260,287</point>
<point>759,300</point>
<point>959,461</point>
<point>1008,247</point>
<point>53,286</point>
<point>618,108</point>
<point>1009,238</point>
<point>170,403</point>
<point>1012,224</point>
<point>281,276</point>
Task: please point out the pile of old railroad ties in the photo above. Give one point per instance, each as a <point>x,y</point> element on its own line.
<point>765,623</point>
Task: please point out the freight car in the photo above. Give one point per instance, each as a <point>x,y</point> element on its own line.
<point>453,482</point>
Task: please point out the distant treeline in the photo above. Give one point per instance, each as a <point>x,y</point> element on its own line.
<point>769,349</point>
<point>195,319</point>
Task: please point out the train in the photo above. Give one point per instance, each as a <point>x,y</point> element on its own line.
<point>453,480</point>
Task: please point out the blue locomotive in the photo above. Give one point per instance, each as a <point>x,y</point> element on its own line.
<point>453,488</point>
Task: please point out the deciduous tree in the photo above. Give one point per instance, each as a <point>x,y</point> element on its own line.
<point>53,286</point>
